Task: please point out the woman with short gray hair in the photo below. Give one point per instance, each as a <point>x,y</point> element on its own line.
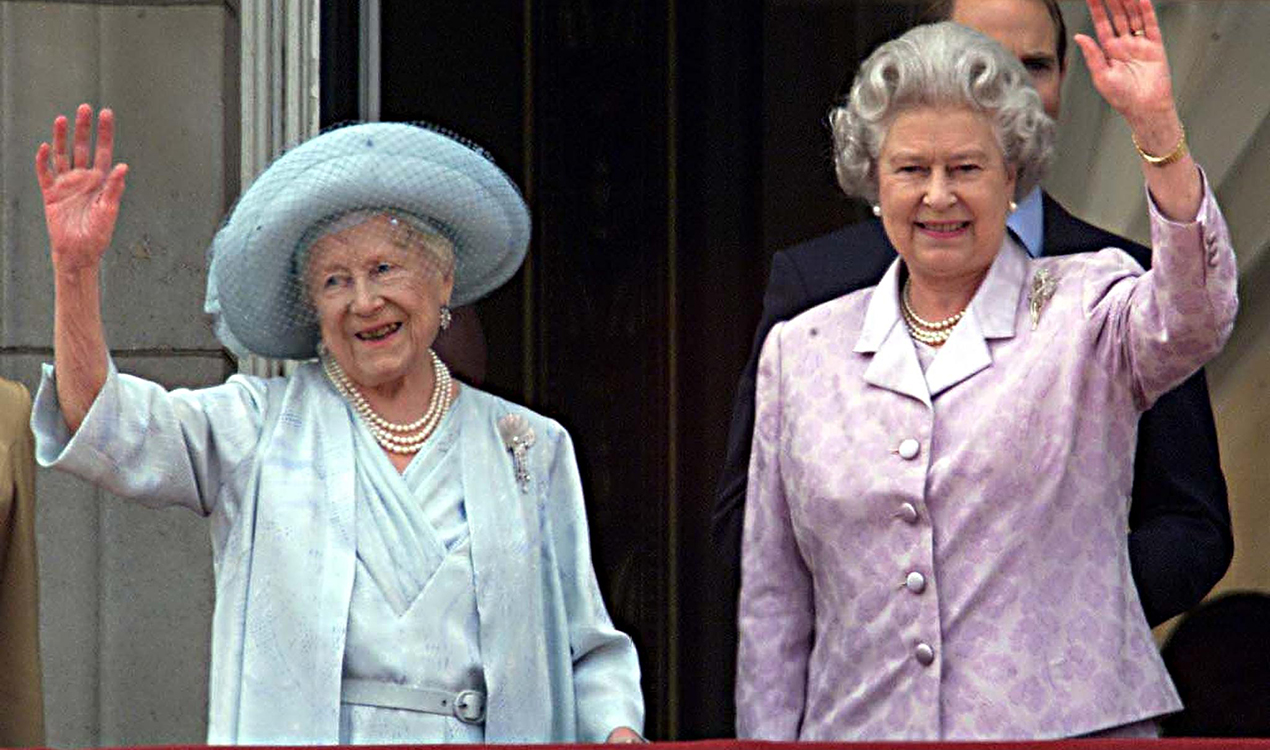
<point>941,65</point>
<point>934,544</point>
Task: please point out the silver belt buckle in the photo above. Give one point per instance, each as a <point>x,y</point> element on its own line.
<point>469,707</point>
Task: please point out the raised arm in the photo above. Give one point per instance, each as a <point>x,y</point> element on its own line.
<point>1180,314</point>
<point>81,203</point>
<point>1131,71</point>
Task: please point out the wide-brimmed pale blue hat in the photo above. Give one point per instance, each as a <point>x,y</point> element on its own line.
<point>254,290</point>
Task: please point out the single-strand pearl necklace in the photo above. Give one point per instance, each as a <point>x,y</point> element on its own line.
<point>394,437</point>
<point>932,333</point>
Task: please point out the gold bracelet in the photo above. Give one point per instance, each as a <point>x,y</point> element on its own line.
<point>1162,161</point>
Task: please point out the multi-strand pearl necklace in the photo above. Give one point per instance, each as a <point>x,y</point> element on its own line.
<point>932,333</point>
<point>394,437</point>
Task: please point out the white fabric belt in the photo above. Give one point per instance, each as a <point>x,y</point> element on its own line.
<point>468,706</point>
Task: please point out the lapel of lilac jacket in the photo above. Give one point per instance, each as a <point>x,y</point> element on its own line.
<point>992,314</point>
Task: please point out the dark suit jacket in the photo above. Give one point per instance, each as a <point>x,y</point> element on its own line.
<point>1180,540</point>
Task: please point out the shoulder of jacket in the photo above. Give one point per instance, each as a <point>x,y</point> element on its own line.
<point>832,312</point>
<point>1108,259</point>
<point>496,408</point>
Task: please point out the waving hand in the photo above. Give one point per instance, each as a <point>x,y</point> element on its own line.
<point>1131,71</point>
<point>81,196</point>
<point>1128,64</point>
<point>81,203</point>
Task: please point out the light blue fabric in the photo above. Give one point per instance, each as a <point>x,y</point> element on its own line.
<point>434,643</point>
<point>272,463</point>
<point>400,516</point>
<point>1028,222</point>
<point>413,618</point>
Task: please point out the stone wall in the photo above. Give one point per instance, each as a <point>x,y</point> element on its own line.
<point>126,592</point>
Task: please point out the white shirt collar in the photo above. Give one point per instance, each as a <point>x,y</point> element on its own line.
<point>1028,222</point>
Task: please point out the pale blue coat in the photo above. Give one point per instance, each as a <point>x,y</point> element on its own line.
<point>271,463</point>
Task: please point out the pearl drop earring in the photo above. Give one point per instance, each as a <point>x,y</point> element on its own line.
<point>877,210</point>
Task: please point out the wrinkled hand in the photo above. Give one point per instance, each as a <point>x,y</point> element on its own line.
<point>1127,63</point>
<point>81,198</point>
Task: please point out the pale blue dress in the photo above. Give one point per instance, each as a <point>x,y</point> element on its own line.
<point>309,584</point>
<point>413,618</point>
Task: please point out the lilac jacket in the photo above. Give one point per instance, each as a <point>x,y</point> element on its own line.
<point>943,555</point>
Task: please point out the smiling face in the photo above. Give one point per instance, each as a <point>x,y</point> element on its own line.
<point>944,189</point>
<point>1023,27</point>
<point>377,288</point>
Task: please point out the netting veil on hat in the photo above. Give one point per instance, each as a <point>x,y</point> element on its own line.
<point>255,292</point>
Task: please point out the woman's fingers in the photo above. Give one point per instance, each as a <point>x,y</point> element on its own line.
<point>83,131</point>
<point>1150,24</point>
<point>1094,56</point>
<point>1119,17</point>
<point>1102,24</point>
<point>113,191</point>
<point>105,140</point>
<point>52,162</point>
<point>1134,13</point>
<point>1123,18</point>
<point>60,162</point>
<point>1131,70</point>
<point>42,174</point>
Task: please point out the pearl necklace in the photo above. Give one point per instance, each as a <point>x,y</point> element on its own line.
<point>394,437</point>
<point>933,333</point>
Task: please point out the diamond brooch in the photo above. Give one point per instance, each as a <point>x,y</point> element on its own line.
<point>519,437</point>
<point>1043,285</point>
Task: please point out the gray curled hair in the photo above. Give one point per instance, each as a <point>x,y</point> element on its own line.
<point>936,65</point>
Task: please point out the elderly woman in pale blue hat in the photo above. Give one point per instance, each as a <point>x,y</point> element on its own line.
<point>398,558</point>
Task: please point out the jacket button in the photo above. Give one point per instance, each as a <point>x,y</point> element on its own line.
<point>907,513</point>
<point>924,654</point>
<point>909,448</point>
<point>916,582</point>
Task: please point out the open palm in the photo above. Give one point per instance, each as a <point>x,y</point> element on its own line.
<point>81,199</point>
<point>1127,63</point>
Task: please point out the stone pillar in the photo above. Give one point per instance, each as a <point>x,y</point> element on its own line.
<point>279,95</point>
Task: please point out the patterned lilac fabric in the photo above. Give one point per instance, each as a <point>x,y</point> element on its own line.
<point>942,554</point>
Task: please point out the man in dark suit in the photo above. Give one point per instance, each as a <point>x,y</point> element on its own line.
<point>1180,540</point>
